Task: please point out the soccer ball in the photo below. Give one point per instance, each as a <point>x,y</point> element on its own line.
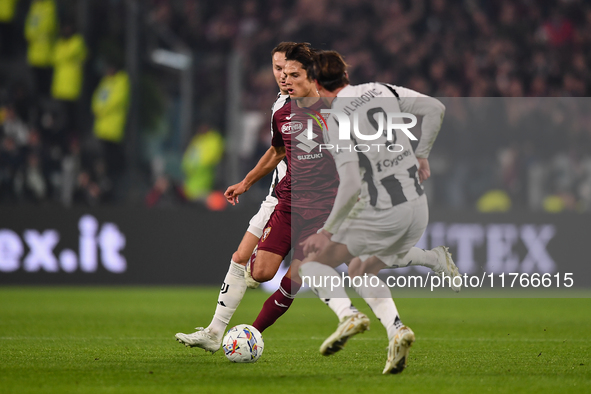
<point>243,344</point>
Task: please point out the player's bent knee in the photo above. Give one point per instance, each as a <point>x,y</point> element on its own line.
<point>265,266</point>
<point>261,274</point>
<point>239,258</point>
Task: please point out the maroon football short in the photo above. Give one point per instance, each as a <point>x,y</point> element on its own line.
<point>285,230</point>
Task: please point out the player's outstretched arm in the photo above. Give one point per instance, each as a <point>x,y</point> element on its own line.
<point>266,164</point>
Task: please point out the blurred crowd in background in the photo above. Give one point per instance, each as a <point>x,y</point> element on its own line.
<point>65,94</point>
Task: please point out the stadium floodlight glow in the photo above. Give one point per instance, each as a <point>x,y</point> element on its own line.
<point>178,61</point>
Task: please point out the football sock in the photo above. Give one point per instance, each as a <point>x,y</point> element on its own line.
<point>323,279</point>
<point>277,304</point>
<point>418,256</point>
<point>231,294</point>
<point>381,303</point>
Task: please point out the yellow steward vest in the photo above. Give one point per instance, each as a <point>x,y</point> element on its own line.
<point>40,28</point>
<point>7,8</point>
<point>110,102</point>
<point>68,60</point>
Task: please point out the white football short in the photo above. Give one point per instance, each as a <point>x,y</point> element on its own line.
<point>258,221</point>
<point>385,233</point>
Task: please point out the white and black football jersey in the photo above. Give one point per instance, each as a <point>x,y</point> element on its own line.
<point>389,168</point>
<point>281,168</point>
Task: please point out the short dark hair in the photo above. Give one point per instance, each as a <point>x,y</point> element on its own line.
<point>305,54</point>
<point>283,47</point>
<point>330,70</point>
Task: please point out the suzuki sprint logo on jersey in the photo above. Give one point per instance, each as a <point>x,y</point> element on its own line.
<point>376,116</point>
<point>107,240</point>
<point>292,127</point>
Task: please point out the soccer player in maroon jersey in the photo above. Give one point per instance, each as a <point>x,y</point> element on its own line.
<point>234,285</point>
<point>307,191</point>
<point>312,186</point>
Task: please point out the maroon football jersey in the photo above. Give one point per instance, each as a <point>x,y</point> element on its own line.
<point>311,181</point>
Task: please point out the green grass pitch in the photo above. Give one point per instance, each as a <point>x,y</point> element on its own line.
<point>121,340</point>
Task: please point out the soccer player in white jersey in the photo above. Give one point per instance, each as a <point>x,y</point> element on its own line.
<point>380,209</point>
<point>235,283</point>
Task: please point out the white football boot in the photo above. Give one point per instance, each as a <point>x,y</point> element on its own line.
<point>446,266</point>
<point>349,326</point>
<point>398,350</point>
<point>201,338</point>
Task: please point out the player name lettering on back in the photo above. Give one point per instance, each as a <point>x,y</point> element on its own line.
<point>358,102</point>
